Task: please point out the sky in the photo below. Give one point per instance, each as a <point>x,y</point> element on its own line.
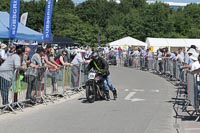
<point>181,1</point>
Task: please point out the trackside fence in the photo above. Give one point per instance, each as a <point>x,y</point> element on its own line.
<point>21,88</point>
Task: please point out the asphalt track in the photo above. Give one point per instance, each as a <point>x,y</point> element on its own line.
<point>143,106</point>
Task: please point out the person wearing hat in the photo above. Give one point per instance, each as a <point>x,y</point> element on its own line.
<point>196,67</point>
<point>196,59</point>
<point>3,54</point>
<point>188,58</point>
<point>101,66</point>
<point>11,50</point>
<point>77,61</point>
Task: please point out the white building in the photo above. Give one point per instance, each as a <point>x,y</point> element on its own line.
<point>172,43</point>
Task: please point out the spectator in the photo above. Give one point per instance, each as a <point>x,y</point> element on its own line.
<point>54,73</point>
<point>26,60</point>
<point>196,59</point>
<point>180,55</point>
<point>120,52</point>
<point>160,61</point>
<point>189,60</point>
<point>3,54</point>
<point>172,56</point>
<point>32,73</point>
<point>11,50</point>
<point>148,59</point>
<point>6,73</point>
<point>60,59</point>
<point>77,61</point>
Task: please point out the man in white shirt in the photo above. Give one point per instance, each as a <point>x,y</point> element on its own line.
<point>180,55</point>
<point>196,64</point>
<point>77,61</point>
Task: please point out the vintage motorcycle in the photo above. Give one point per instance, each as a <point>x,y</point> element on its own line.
<point>94,87</point>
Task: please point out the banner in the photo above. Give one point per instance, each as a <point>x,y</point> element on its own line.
<point>99,39</point>
<point>14,17</point>
<point>47,20</point>
<point>23,18</point>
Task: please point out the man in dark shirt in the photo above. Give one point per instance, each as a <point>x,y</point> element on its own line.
<point>99,64</point>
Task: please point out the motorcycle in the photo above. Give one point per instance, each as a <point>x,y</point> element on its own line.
<point>94,87</point>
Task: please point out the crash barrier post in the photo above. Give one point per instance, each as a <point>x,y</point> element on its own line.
<point>142,63</point>
<point>167,66</point>
<point>181,97</point>
<point>128,61</point>
<point>54,83</point>
<point>136,62</point>
<point>82,77</point>
<point>29,86</point>
<point>178,70</point>
<point>77,78</point>
<point>7,81</point>
<point>151,63</point>
<point>171,69</point>
<point>193,93</point>
<point>157,69</point>
<point>67,80</point>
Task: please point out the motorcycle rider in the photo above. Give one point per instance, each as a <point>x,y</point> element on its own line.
<point>99,64</point>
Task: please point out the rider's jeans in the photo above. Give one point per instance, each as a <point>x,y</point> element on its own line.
<point>108,84</point>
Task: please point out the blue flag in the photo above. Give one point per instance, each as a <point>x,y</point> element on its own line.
<point>99,39</point>
<point>14,17</point>
<point>47,20</point>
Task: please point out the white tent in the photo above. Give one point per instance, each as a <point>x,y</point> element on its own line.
<point>127,41</point>
<point>171,43</point>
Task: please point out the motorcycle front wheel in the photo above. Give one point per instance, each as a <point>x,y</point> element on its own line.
<point>90,93</point>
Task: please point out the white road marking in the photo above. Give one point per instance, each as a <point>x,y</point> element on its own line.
<point>192,129</point>
<point>138,90</point>
<point>128,97</point>
<point>155,91</point>
<point>131,94</point>
<point>137,100</point>
<point>126,90</point>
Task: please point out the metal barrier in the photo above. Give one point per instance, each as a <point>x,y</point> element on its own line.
<point>188,84</point>
<point>39,85</point>
<point>7,86</point>
<point>29,87</point>
<point>193,94</point>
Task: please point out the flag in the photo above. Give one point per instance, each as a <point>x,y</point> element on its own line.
<point>14,17</point>
<point>99,39</point>
<point>23,18</point>
<point>48,20</point>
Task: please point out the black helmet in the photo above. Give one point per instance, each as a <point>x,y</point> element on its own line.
<point>94,55</point>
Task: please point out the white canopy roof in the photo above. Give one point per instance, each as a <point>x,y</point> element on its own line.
<point>171,42</point>
<point>127,41</point>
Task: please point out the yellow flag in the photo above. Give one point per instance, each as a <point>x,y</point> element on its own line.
<point>151,48</point>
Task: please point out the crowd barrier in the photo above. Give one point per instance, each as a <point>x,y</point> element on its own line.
<point>188,84</point>
<point>39,85</point>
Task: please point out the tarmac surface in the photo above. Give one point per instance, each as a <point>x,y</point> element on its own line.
<point>144,105</point>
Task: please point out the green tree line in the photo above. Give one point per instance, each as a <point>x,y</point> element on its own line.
<point>113,21</point>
